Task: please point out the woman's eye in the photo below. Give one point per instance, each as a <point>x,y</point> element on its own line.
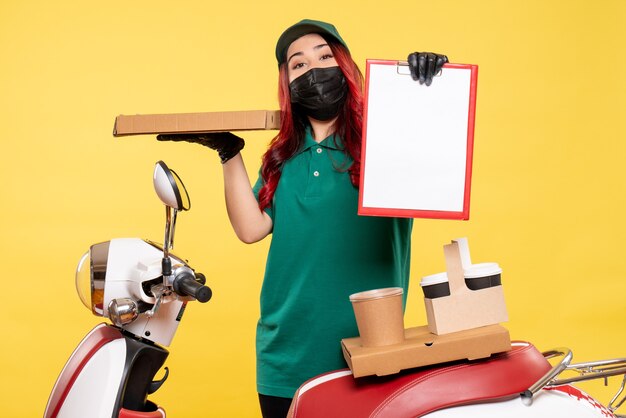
<point>298,65</point>
<point>326,56</point>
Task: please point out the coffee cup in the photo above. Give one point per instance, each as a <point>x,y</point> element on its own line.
<point>483,275</point>
<point>435,285</point>
<point>379,316</point>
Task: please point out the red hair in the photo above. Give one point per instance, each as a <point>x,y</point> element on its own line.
<point>290,137</point>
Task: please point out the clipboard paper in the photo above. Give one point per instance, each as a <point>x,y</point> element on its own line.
<point>416,155</point>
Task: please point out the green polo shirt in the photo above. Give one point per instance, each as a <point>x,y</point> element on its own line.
<point>321,252</point>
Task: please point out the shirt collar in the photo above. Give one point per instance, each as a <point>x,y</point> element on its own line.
<point>332,142</point>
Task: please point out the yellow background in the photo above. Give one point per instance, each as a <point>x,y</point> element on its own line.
<point>548,192</point>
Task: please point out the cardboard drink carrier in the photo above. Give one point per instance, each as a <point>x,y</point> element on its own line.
<point>461,325</point>
<point>464,308</point>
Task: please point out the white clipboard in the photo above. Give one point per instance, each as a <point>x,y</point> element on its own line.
<point>416,155</point>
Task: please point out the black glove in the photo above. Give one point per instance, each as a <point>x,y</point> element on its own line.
<point>226,144</point>
<point>425,65</point>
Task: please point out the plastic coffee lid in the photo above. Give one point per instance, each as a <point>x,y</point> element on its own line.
<point>434,279</point>
<point>482,270</point>
<point>376,294</point>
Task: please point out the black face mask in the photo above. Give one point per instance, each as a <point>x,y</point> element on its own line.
<point>320,92</point>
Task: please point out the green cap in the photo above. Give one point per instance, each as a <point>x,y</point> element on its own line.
<point>301,28</point>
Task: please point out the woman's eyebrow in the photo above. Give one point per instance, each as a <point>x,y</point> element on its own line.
<point>302,53</point>
<point>320,46</point>
<point>294,55</point>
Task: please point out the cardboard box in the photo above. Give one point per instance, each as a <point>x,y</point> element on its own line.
<point>464,308</point>
<point>421,348</point>
<point>196,122</point>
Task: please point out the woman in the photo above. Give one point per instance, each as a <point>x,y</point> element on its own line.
<point>306,197</point>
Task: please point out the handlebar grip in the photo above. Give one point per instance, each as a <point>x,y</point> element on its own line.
<point>186,284</point>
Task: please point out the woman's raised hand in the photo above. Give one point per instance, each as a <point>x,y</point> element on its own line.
<point>425,65</point>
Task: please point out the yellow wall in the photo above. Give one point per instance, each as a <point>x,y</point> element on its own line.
<point>548,192</point>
